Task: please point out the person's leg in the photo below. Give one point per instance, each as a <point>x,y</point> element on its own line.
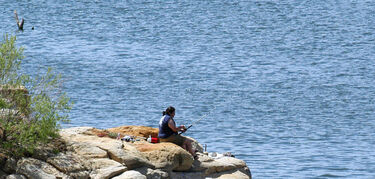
<point>182,141</point>
<point>184,146</point>
<point>189,148</point>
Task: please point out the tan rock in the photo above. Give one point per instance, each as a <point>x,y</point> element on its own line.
<point>116,149</point>
<point>166,156</point>
<point>131,174</point>
<point>98,163</point>
<point>131,160</point>
<point>105,168</point>
<point>124,153</point>
<point>33,168</point>
<point>76,136</point>
<point>15,176</point>
<point>141,157</point>
<point>108,172</point>
<point>72,164</point>
<point>210,166</point>
<point>153,174</point>
<point>87,150</point>
<point>141,131</point>
<point>233,161</point>
<point>80,175</point>
<point>74,131</point>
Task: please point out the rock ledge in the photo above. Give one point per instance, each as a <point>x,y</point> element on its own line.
<point>95,153</point>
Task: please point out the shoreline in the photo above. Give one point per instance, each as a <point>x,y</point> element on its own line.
<point>88,152</point>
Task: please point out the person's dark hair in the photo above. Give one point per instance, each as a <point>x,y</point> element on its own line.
<point>169,110</point>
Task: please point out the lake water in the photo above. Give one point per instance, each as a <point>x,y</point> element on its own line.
<point>288,86</point>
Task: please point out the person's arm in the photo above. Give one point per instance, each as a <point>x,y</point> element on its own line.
<point>172,125</point>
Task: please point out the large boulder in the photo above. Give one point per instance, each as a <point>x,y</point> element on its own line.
<point>33,168</point>
<point>166,156</point>
<point>209,166</point>
<point>132,160</point>
<point>89,151</point>
<point>232,161</point>
<point>71,164</point>
<point>108,172</point>
<point>117,150</point>
<point>75,131</point>
<point>105,168</point>
<point>99,163</point>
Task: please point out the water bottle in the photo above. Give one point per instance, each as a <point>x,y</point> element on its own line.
<point>149,139</point>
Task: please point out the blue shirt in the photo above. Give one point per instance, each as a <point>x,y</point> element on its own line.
<point>164,130</point>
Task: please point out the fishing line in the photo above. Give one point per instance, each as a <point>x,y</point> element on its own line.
<point>201,118</point>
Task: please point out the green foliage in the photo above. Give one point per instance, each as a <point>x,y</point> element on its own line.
<point>30,107</point>
<point>112,135</point>
<point>3,104</point>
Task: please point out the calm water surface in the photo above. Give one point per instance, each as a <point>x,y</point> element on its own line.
<point>288,86</point>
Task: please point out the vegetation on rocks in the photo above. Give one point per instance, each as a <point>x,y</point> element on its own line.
<point>31,107</point>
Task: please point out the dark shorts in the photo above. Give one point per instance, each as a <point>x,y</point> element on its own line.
<point>176,139</point>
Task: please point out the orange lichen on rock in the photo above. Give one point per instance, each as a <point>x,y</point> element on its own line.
<point>139,131</point>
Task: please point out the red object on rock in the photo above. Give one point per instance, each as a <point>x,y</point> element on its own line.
<point>154,140</point>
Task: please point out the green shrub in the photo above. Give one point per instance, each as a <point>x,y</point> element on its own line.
<point>35,105</point>
<point>3,104</point>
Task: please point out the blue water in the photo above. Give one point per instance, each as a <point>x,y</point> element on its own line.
<point>288,86</point>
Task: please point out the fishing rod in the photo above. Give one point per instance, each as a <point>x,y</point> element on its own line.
<point>203,117</point>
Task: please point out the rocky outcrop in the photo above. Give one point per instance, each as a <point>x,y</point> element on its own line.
<point>33,168</point>
<point>71,164</point>
<point>166,156</point>
<point>140,131</point>
<point>95,153</point>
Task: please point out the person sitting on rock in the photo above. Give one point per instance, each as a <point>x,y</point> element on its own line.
<point>168,132</point>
